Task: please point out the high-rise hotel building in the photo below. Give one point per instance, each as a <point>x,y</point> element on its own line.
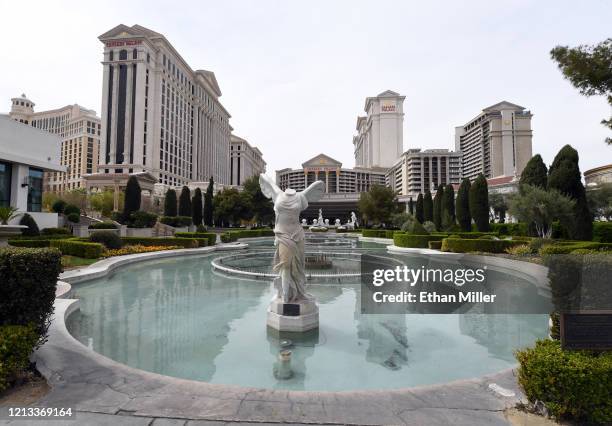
<point>158,115</point>
<point>495,143</point>
<point>79,130</point>
<point>245,161</point>
<point>380,140</point>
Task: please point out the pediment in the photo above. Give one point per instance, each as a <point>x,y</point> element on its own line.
<point>504,105</point>
<point>322,160</point>
<point>388,93</point>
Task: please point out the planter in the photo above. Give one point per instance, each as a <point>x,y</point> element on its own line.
<point>8,231</point>
<point>139,232</point>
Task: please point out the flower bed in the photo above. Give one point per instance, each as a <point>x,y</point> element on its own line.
<point>135,249</point>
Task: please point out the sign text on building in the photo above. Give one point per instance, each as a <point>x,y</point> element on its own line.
<point>116,43</point>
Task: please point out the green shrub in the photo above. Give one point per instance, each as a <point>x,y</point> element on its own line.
<point>29,243</point>
<point>429,226</point>
<point>602,232</point>
<point>70,209</point>
<point>153,241</point>
<point>102,225</point>
<point>434,245</point>
<point>414,241</point>
<point>27,286</point>
<point>378,233</point>
<point>32,227</point>
<point>176,221</point>
<point>140,219</point>
<point>210,236</point>
<point>521,250</point>
<point>56,231</point>
<point>465,245</point>
<point>58,206</point>
<point>515,229</point>
<point>109,239</point>
<point>474,234</point>
<point>569,246</point>
<point>74,217</point>
<point>78,248</point>
<point>201,228</point>
<point>571,384</point>
<point>537,243</point>
<point>413,226</point>
<point>16,344</point>
<point>228,237</point>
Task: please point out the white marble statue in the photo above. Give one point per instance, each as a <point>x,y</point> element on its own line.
<point>337,222</point>
<point>326,222</point>
<point>320,220</point>
<point>354,219</point>
<point>289,241</point>
<point>304,222</point>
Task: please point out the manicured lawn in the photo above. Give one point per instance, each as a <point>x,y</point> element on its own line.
<point>74,261</point>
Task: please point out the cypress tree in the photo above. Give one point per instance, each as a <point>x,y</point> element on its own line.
<point>32,227</point>
<point>463,206</point>
<point>437,207</point>
<point>427,207</point>
<point>131,202</point>
<point>184,208</point>
<point>196,207</point>
<point>170,203</point>
<point>411,207</point>
<point>479,203</point>
<point>535,173</point>
<point>448,207</point>
<point>419,209</point>
<point>564,176</point>
<point>208,203</point>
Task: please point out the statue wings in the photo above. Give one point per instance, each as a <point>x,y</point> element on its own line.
<point>314,191</point>
<point>268,187</point>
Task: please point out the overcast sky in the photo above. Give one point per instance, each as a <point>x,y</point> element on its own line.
<point>294,75</point>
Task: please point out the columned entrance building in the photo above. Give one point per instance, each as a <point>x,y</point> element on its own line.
<point>159,115</point>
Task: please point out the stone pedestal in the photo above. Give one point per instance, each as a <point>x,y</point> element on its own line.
<point>293,317</point>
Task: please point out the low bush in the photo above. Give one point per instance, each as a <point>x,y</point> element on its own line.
<point>16,344</point>
<point>466,245</point>
<point>435,245</point>
<point>474,234</point>
<point>414,241</point>
<point>74,217</point>
<point>32,227</point>
<point>30,243</point>
<point>102,225</point>
<point>56,231</point>
<point>228,237</point>
<point>515,229</point>
<point>153,241</point>
<point>109,239</point>
<point>58,206</point>
<point>566,247</point>
<point>78,248</point>
<point>413,226</point>
<point>27,286</point>
<point>250,233</point>
<point>522,250</point>
<point>176,221</point>
<point>378,233</point>
<point>571,384</point>
<point>70,209</point>
<point>211,237</point>
<point>140,219</point>
<point>429,226</point>
<point>137,248</point>
<point>602,232</point>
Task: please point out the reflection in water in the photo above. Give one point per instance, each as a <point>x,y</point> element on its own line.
<point>176,317</point>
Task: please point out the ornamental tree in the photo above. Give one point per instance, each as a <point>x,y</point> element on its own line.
<point>170,203</point>
<point>447,207</point>
<point>539,207</point>
<point>419,215</point>
<point>462,206</point>
<point>427,207</point>
<point>437,207</point>
<point>196,207</point>
<point>479,203</point>
<point>184,208</point>
<point>132,198</point>
<point>209,203</point>
<point>535,173</point>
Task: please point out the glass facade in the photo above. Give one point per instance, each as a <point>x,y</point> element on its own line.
<point>5,184</point>
<point>35,190</point>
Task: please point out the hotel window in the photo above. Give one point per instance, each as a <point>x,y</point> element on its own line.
<point>35,190</point>
<point>5,184</point>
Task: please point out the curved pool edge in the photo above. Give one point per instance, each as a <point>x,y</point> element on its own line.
<point>91,382</point>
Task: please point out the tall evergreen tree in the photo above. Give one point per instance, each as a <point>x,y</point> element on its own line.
<point>170,203</point>
<point>447,207</point>
<point>132,198</point>
<point>411,206</point>
<point>196,207</point>
<point>479,203</point>
<point>437,207</point>
<point>535,173</point>
<point>564,176</point>
<point>462,206</point>
<point>208,203</point>
<point>418,211</point>
<point>427,207</point>
<point>184,208</point>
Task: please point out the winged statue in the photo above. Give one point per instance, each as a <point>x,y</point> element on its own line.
<point>289,242</point>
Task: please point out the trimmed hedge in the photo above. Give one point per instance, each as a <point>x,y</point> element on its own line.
<point>515,229</point>
<point>142,219</point>
<point>466,245</point>
<point>176,221</point>
<point>414,241</point>
<point>435,245</point>
<point>251,233</point>
<point>378,233</point>
<point>29,243</point>
<point>78,248</point>
<point>56,231</point>
<point>566,247</point>
<point>102,225</point>
<point>210,236</point>
<point>16,344</point>
<point>602,232</point>
<point>110,239</point>
<point>153,241</point>
<point>571,384</point>
<point>27,286</point>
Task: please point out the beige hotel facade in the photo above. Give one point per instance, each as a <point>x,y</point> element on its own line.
<point>159,116</point>
<point>245,161</point>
